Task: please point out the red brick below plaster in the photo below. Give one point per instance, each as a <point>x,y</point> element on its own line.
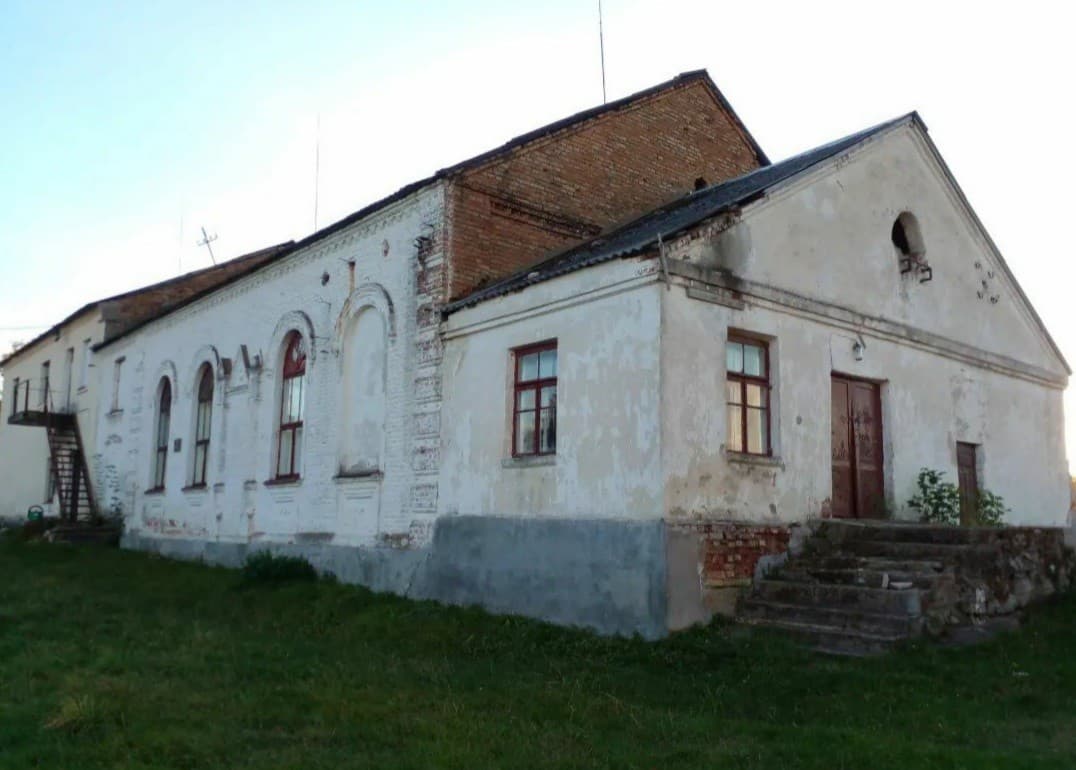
<point>731,550</point>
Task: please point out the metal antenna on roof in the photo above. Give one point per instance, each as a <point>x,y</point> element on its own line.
<point>601,44</point>
<point>317,169</point>
<point>206,241</point>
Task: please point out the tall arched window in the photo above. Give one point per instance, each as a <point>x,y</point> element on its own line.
<point>202,418</point>
<point>164,417</point>
<point>292,395</point>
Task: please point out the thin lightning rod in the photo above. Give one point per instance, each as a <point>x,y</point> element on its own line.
<point>317,170</point>
<point>601,44</point>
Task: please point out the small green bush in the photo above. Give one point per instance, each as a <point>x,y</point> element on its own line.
<point>266,567</point>
<point>992,509</point>
<point>938,502</point>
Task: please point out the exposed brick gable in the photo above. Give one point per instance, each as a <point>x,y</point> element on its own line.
<point>545,195</point>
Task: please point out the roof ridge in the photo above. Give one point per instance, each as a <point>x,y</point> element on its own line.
<point>265,252</point>
<point>192,273</point>
<point>706,203</point>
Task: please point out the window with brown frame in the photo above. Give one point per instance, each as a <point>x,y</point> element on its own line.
<point>292,396</point>
<point>202,420</point>
<point>164,417</point>
<point>747,395</point>
<point>534,413</point>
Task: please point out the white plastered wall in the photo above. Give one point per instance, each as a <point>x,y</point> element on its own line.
<point>606,321</point>
<point>240,330</point>
<point>929,402</point>
<point>24,450</point>
<point>822,272</point>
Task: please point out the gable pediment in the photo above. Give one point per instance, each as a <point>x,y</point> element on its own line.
<point>828,235</point>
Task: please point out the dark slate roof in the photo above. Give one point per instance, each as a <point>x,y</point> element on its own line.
<point>471,163</point>
<point>643,233</point>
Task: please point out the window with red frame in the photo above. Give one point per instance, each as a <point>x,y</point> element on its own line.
<point>202,419</point>
<point>292,396</point>
<point>534,415</point>
<point>747,395</point>
<point>164,417</point>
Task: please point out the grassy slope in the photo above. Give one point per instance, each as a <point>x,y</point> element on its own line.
<point>112,659</point>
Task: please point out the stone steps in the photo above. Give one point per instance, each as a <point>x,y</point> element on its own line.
<point>947,553</point>
<point>834,640</point>
<point>840,596</point>
<point>766,612</point>
<point>868,577</point>
<point>897,532</point>
<point>859,588</point>
<point>846,561</point>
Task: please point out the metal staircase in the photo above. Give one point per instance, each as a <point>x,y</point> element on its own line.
<point>33,407</point>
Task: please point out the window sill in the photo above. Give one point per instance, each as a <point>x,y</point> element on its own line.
<point>743,458</point>
<point>195,488</point>
<point>371,475</point>
<point>529,461</point>
<point>115,413</point>
<point>153,492</point>
<point>82,389</point>
<point>285,481</point>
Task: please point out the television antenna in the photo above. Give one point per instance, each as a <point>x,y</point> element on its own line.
<point>207,241</point>
<point>601,45</point>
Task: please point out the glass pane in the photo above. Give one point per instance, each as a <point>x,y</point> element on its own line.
<point>734,438</point>
<point>733,391</point>
<point>525,399</point>
<point>525,433</point>
<point>199,464</point>
<point>528,367</point>
<point>162,430</point>
<point>292,407</point>
<point>754,360</point>
<point>205,386</point>
<point>298,450</point>
<point>547,437</point>
<point>756,431</point>
<point>203,421</point>
<point>734,357</point>
<point>285,402</point>
<point>300,404</point>
<point>549,396</point>
<point>283,464</point>
<point>548,366</point>
<point>755,395</point>
<point>158,468</point>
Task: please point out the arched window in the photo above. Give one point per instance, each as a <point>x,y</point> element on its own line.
<point>164,417</point>
<point>202,419</point>
<point>912,252</point>
<point>292,396</point>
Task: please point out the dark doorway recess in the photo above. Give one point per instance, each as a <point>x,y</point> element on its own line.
<point>968,477</point>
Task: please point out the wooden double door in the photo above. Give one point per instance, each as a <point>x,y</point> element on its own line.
<point>858,488</point>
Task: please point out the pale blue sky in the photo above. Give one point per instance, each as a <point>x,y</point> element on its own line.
<point>126,126</point>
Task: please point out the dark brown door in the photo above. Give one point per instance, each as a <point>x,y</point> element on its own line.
<point>856,434</point>
<point>968,478</point>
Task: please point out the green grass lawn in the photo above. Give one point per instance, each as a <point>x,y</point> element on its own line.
<point>115,659</point>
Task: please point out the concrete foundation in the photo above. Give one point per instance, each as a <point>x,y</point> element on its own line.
<point>602,574</point>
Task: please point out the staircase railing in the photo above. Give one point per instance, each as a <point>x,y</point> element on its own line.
<point>36,396</point>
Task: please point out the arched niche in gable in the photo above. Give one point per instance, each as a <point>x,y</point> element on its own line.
<point>364,357</point>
